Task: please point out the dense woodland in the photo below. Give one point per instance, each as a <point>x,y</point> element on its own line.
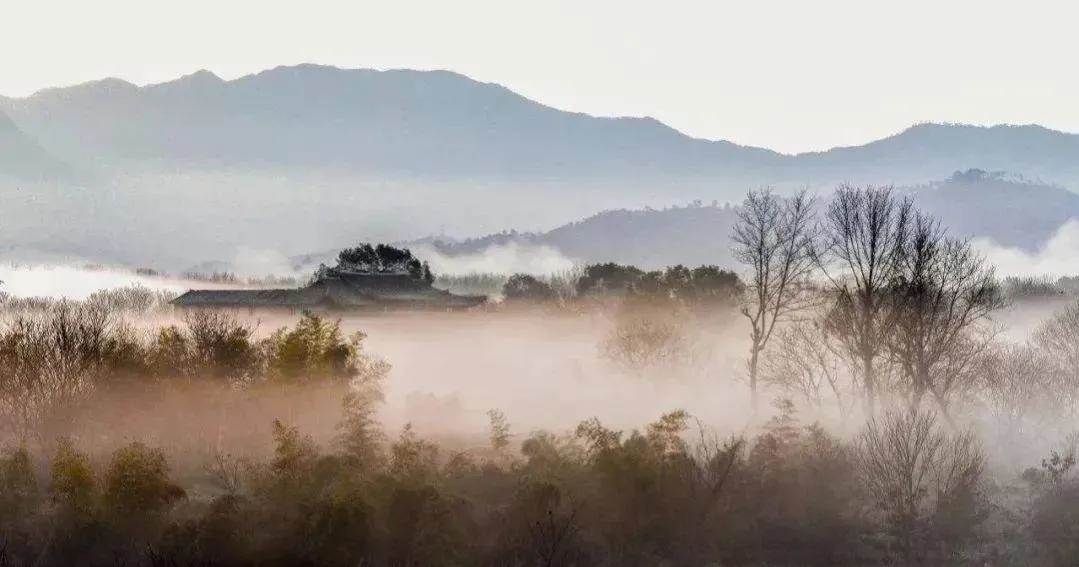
<point>890,419</point>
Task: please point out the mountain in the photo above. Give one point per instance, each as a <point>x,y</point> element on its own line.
<point>388,122</point>
<point>931,151</point>
<point>303,158</point>
<point>442,124</point>
<point>22,158</point>
<point>1007,209</point>
<point>692,235</point>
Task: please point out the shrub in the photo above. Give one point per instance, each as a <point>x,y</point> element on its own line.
<point>313,350</point>
<point>607,279</point>
<point>926,482</point>
<point>73,487</point>
<point>137,485</point>
<point>221,347</point>
<point>1054,513</point>
<point>523,287</point>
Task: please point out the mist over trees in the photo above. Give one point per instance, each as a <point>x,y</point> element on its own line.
<point>904,429</point>
<point>774,238</point>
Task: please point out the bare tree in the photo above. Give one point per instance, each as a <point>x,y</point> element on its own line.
<point>1058,339</point>
<point>866,231</point>
<point>944,290</point>
<point>922,478</point>
<point>774,237</point>
<point>805,361</point>
<point>643,343</point>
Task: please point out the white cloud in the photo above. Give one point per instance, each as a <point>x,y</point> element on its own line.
<point>72,282</point>
<point>508,258</point>
<point>1059,256</point>
<point>255,262</point>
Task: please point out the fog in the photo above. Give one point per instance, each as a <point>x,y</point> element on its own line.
<point>628,392</point>
<point>60,281</point>
<point>1055,257</point>
<point>512,258</point>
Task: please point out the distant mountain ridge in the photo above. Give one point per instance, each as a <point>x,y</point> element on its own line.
<point>1009,210</point>
<point>412,122</point>
<point>439,123</point>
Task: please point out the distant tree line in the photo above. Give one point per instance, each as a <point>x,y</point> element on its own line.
<point>700,285</point>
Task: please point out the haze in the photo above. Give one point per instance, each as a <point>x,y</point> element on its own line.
<point>790,76</point>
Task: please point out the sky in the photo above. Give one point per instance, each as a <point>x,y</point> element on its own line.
<point>792,76</point>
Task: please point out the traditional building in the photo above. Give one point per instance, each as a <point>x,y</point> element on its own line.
<point>337,289</point>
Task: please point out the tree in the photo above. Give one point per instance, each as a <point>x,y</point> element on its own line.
<point>805,360</point>
<point>1058,339</point>
<point>381,258</point>
<point>774,237</point>
<point>137,489</point>
<point>527,288</point>
<point>865,233</point>
<point>943,291</point>
<point>609,278</point>
<point>928,483</point>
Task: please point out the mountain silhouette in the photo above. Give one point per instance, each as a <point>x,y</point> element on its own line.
<point>1007,209</point>
<point>439,123</point>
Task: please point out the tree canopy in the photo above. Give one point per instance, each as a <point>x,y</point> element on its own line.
<point>383,258</point>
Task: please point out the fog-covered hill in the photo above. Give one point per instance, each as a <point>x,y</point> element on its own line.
<point>1006,209</point>
<point>303,158</point>
<point>22,158</point>
<point>1010,210</point>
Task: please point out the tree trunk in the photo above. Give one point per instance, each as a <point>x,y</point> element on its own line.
<point>870,386</point>
<point>754,362</point>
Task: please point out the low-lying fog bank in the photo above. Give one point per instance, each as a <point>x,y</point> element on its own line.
<point>72,282</point>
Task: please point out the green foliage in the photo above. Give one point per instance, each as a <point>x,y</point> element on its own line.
<point>383,258</point>
<point>500,430</point>
<point>413,461</point>
<point>525,287</point>
<point>73,487</point>
<point>295,455</point>
<point>607,279</point>
<point>313,350</point>
<point>137,485</point>
<point>18,484</point>
<point>700,286</point>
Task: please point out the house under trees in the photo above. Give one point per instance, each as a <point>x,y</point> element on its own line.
<point>365,278</point>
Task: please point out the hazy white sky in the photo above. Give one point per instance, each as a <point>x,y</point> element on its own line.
<point>793,76</point>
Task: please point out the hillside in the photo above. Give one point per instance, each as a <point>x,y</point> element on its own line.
<point>22,158</point>
<point>692,235</point>
<point>399,122</point>
<point>1011,211</point>
<point>442,124</point>
<point>302,158</point>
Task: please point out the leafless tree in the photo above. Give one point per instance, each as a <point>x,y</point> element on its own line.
<point>774,238</point>
<point>48,361</point>
<point>865,234</point>
<point>644,344</point>
<point>806,361</point>
<point>943,292</point>
<point>918,474</point>
<point>1058,339</point>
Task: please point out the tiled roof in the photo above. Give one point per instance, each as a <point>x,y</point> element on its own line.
<point>338,290</point>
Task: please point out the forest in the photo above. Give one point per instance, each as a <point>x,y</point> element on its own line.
<point>861,389</point>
